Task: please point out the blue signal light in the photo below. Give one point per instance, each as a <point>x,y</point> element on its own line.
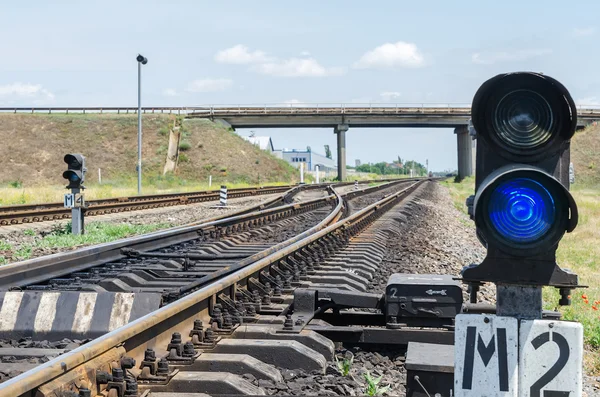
<point>521,210</point>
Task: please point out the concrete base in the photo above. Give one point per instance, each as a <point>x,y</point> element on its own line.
<point>238,364</point>
<point>209,382</point>
<point>310,339</point>
<point>70,314</point>
<point>285,354</point>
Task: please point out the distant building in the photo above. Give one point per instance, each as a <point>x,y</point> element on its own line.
<point>357,163</point>
<point>263,142</point>
<point>310,158</point>
<point>295,156</point>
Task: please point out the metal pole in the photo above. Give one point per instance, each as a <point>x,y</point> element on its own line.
<point>76,215</point>
<point>139,166</point>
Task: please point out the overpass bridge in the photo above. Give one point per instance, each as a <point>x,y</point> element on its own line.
<point>339,117</point>
<point>343,117</point>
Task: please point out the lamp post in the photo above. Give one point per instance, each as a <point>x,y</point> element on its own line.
<point>141,61</point>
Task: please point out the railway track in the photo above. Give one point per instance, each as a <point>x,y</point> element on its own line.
<point>127,276</point>
<point>29,213</point>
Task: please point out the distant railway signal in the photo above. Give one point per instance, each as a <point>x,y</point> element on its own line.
<point>75,173</point>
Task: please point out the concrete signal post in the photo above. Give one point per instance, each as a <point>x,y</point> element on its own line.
<point>522,207</point>
<point>75,174</point>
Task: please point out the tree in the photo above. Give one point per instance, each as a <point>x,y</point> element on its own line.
<point>327,152</point>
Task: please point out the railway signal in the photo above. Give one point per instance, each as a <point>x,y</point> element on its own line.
<point>522,207</point>
<point>75,174</point>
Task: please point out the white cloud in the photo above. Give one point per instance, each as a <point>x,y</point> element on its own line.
<point>582,32</point>
<point>303,66</point>
<point>297,67</point>
<point>169,92</point>
<point>389,95</point>
<point>390,56</point>
<point>488,58</point>
<point>209,85</point>
<point>25,90</point>
<point>588,101</point>
<point>241,55</point>
<point>294,103</point>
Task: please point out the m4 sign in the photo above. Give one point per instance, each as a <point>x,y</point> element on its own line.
<point>501,357</point>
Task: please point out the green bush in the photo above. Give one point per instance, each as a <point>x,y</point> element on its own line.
<point>183,146</point>
<point>183,158</point>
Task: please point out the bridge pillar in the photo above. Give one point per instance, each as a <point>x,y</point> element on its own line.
<point>464,145</point>
<point>340,131</point>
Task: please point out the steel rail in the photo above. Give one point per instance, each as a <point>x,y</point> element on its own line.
<point>155,328</point>
<point>28,213</point>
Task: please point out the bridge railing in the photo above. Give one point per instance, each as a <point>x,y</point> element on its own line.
<point>275,108</point>
<point>301,107</point>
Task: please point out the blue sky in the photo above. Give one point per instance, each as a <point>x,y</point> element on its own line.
<point>76,53</point>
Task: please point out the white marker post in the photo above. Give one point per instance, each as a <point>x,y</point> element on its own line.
<point>301,172</point>
<point>99,176</point>
<point>355,185</point>
<point>317,171</point>
<point>223,196</point>
<point>209,181</point>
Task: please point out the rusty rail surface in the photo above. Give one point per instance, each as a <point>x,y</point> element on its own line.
<point>77,369</point>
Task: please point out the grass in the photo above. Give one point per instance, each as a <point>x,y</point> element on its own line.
<point>372,387</point>
<point>578,251</point>
<point>345,365</point>
<point>95,233</point>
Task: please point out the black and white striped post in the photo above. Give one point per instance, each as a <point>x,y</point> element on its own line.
<point>223,196</point>
<point>355,185</point>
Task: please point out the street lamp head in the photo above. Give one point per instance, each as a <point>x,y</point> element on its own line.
<point>142,59</point>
